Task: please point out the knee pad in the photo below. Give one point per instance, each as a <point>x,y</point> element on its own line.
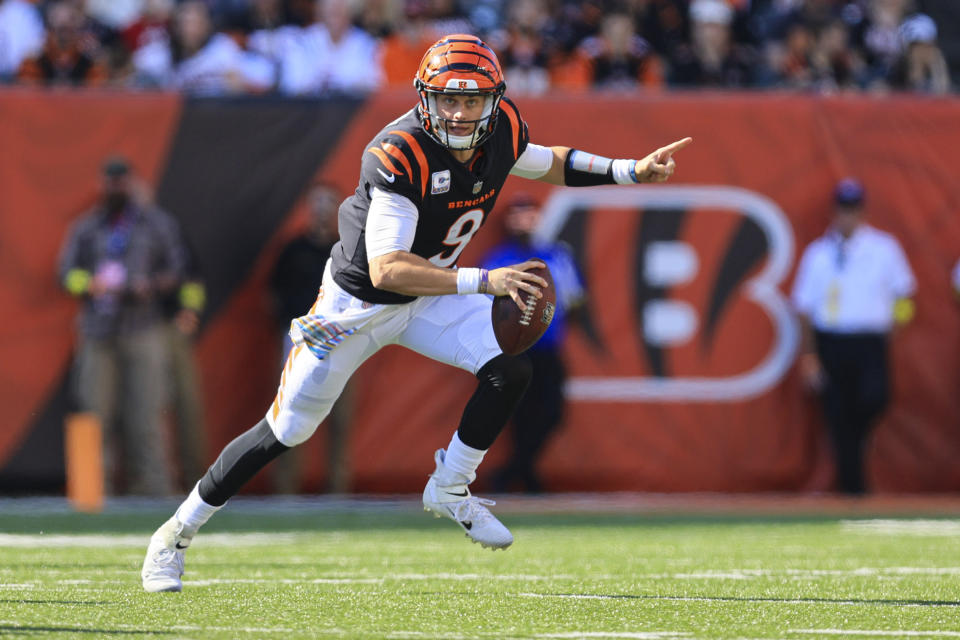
<point>507,373</point>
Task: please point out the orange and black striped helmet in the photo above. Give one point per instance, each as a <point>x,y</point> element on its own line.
<point>459,64</point>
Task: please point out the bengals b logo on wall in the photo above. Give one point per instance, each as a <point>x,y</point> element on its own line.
<point>684,284</point>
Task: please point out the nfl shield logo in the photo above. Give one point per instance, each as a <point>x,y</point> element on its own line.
<point>477,186</point>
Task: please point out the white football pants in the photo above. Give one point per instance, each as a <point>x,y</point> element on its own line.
<point>452,329</point>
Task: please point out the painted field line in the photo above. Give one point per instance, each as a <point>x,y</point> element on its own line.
<point>367,579</point>
<point>748,574</point>
<point>15,624</point>
<point>393,635</point>
<point>216,581</point>
<point>903,527</point>
<point>642,635</point>
<point>18,540</point>
<point>879,633</point>
<point>727,599</point>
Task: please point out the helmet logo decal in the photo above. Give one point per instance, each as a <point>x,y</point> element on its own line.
<point>459,64</point>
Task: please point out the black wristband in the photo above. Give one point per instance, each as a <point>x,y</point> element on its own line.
<point>581,169</point>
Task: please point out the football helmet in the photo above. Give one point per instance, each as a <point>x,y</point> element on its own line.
<point>459,64</point>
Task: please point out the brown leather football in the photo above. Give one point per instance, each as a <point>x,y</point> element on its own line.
<point>517,331</point>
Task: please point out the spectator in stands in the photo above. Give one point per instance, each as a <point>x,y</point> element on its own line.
<point>266,14</point>
<point>151,25</point>
<point>921,66</point>
<point>332,55</point>
<point>524,63</point>
<point>446,17</point>
<point>21,35</point>
<point>378,17</point>
<point>880,39</point>
<point>540,411</point>
<point>853,286</point>
<point>120,260</point>
<point>619,58</point>
<point>294,284</point>
<point>403,49</point>
<point>274,36</point>
<point>114,15</point>
<point>837,65</point>
<point>197,60</point>
<point>663,24</point>
<point>712,58</point>
<point>521,48</point>
<point>71,53</point>
<point>794,66</point>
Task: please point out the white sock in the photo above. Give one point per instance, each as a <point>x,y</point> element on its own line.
<point>462,459</point>
<point>194,512</point>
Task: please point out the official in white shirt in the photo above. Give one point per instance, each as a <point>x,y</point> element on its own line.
<point>853,287</point>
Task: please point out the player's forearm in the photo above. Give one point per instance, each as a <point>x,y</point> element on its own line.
<point>575,168</point>
<point>408,274</point>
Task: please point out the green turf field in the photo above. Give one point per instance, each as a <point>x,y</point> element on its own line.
<point>395,573</point>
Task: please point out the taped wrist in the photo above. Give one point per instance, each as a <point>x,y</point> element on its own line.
<point>582,169</point>
<point>472,280</point>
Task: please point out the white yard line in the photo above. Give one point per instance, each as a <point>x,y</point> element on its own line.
<point>215,581</point>
<point>18,540</point>
<point>903,527</point>
<point>879,632</point>
<point>366,579</point>
<point>642,635</point>
<point>392,635</point>
<point>147,630</point>
<point>652,596</point>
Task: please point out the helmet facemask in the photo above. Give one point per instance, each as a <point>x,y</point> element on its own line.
<point>439,127</point>
<point>461,65</point>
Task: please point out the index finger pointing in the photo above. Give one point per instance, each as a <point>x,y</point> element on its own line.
<point>673,147</point>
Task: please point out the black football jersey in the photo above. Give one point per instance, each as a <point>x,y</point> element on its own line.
<point>453,199</point>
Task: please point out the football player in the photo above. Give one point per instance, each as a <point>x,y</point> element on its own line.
<point>428,181</point>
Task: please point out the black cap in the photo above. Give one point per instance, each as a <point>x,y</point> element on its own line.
<point>849,192</point>
<point>116,167</point>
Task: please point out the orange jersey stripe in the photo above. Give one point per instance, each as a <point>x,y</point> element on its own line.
<point>276,406</point>
<point>313,309</point>
<point>513,116</point>
<point>419,155</point>
<point>384,159</point>
<point>394,151</point>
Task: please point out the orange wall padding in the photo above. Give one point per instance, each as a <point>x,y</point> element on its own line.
<point>789,149</point>
<point>52,145</point>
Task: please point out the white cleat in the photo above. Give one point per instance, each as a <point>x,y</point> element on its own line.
<point>446,494</point>
<point>163,565</point>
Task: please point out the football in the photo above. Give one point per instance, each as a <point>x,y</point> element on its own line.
<point>517,331</point>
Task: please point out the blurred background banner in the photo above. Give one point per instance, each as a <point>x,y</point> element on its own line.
<point>672,278</point>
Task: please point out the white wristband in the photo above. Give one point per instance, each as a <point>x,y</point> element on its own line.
<point>468,281</point>
<point>624,171</point>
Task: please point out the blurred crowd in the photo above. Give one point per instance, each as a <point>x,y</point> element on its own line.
<point>322,47</point>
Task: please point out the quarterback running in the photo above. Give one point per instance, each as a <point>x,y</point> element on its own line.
<point>428,181</point>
